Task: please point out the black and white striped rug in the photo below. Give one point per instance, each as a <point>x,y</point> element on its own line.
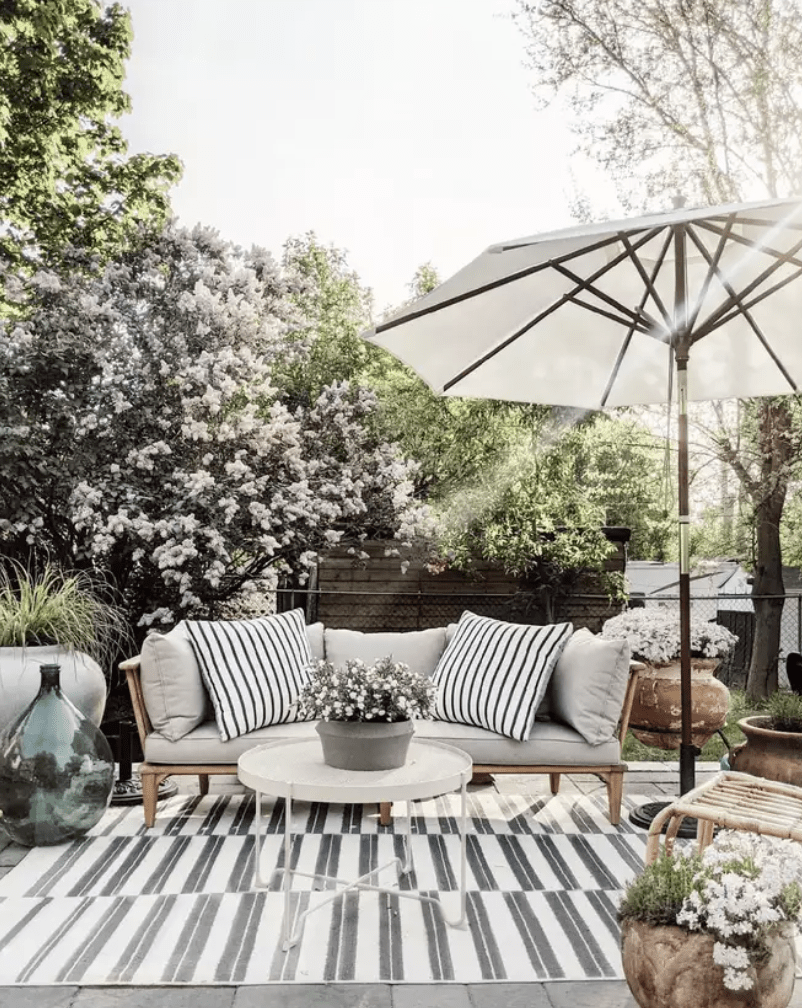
<point>174,905</point>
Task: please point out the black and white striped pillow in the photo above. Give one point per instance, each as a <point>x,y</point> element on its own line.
<point>494,674</point>
<point>253,669</point>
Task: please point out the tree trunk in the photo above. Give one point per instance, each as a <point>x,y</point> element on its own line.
<point>768,497</point>
<point>762,679</point>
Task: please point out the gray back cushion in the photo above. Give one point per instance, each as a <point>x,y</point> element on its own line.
<point>420,649</point>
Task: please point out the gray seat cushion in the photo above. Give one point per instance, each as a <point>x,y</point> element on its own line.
<point>550,744</point>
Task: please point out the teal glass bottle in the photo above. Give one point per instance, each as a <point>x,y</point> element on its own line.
<point>56,770</point>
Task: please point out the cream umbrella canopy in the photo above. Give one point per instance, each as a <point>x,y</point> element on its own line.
<point>708,300</point>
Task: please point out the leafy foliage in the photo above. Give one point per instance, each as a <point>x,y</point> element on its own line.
<point>72,610</point>
<point>784,711</point>
<point>146,438</point>
<point>65,179</point>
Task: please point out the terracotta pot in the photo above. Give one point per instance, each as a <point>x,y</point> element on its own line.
<point>365,745</point>
<point>656,718</point>
<point>668,967</point>
<point>776,755</point>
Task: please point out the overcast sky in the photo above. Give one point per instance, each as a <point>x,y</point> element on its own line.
<point>402,131</point>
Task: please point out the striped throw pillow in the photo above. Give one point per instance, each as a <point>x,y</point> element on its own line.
<point>253,669</point>
<point>493,674</point>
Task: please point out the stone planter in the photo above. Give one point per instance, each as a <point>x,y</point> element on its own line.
<point>656,717</point>
<point>669,967</point>
<point>82,680</point>
<point>776,755</point>
<point>365,745</point>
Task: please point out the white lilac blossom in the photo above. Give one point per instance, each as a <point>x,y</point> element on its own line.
<point>747,885</point>
<point>385,691</point>
<point>653,635</point>
<point>188,473</point>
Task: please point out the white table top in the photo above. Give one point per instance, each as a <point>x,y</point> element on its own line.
<point>296,767</point>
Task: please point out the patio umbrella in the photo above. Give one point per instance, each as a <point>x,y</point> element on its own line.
<point>708,300</point>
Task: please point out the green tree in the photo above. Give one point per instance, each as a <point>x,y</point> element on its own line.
<point>65,180</point>
<point>700,97</point>
<point>532,514</point>
<point>333,309</point>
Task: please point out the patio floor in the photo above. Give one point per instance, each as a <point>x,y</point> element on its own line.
<point>642,778</point>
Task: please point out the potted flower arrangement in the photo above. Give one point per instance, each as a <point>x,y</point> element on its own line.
<point>702,930</point>
<point>773,746</point>
<point>654,638</point>
<point>365,712</point>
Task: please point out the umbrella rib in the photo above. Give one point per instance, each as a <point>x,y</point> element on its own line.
<point>639,320</point>
<point>769,250</point>
<point>713,266</point>
<point>714,320</point>
<point>738,300</point>
<point>519,275</point>
<point>649,282</point>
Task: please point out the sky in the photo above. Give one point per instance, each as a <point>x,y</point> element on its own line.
<point>401,131</point>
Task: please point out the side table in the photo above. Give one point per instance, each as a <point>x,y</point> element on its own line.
<point>735,801</point>
<point>294,769</point>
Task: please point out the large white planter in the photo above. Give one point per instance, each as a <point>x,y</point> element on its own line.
<point>82,680</point>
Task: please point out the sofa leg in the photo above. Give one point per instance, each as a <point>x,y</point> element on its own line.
<point>385,813</point>
<point>203,783</point>
<point>554,782</point>
<point>150,795</point>
<point>615,793</point>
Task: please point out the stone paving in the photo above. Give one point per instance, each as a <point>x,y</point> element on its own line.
<point>652,779</point>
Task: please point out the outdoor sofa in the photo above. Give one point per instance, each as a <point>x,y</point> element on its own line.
<point>581,718</point>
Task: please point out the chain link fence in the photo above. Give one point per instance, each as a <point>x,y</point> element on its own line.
<point>375,611</point>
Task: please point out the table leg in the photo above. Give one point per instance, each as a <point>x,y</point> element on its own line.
<point>257,847</point>
<point>463,872</point>
<point>286,931</point>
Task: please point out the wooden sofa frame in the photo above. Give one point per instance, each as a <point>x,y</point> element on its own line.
<point>152,774</point>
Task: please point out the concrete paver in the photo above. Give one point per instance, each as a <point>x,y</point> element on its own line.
<point>152,997</point>
<point>591,994</point>
<point>315,996</point>
<point>427,995</point>
<point>37,997</point>
<point>509,995</point>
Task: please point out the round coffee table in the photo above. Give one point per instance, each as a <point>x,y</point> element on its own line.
<point>294,769</point>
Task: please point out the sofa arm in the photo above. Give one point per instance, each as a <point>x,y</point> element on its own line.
<point>131,667</point>
<point>635,669</point>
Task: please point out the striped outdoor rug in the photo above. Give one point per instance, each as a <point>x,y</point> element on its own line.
<point>174,905</point>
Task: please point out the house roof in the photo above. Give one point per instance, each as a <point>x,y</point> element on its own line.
<point>653,577</point>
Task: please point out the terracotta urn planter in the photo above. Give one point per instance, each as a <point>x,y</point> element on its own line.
<point>669,967</point>
<point>776,755</point>
<point>656,718</point>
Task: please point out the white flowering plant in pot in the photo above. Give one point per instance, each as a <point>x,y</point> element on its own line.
<point>654,636</point>
<point>741,891</point>
<point>386,691</point>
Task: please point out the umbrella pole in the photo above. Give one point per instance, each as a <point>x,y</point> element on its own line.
<point>682,346</point>
<point>687,751</point>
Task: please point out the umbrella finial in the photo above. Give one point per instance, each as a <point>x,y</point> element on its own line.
<point>678,200</point>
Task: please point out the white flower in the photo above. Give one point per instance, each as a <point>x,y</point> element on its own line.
<point>654,636</point>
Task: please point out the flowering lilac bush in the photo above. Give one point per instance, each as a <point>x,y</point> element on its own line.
<point>145,436</point>
<point>653,636</point>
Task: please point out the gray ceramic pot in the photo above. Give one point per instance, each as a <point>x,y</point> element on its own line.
<point>365,745</point>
